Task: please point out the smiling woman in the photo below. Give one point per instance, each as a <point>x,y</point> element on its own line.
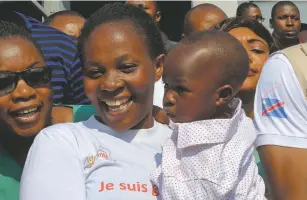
<point>257,41</point>
<point>25,102</point>
<point>111,155</point>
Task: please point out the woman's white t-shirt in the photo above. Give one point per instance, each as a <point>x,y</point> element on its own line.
<point>158,93</point>
<point>90,161</point>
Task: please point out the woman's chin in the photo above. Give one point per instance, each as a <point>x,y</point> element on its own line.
<point>28,132</point>
<point>248,87</point>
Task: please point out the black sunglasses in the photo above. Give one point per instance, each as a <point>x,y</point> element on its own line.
<point>34,77</point>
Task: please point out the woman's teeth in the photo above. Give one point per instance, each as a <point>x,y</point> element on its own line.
<point>118,105</point>
<point>27,111</point>
<point>116,102</point>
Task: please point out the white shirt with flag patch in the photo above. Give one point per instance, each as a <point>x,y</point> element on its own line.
<point>210,159</point>
<point>280,108</point>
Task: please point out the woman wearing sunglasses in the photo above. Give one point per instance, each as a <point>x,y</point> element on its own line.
<point>25,103</point>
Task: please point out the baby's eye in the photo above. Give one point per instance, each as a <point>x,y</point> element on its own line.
<point>180,89</point>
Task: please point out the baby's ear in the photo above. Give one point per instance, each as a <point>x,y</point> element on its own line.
<point>224,95</point>
<point>159,62</point>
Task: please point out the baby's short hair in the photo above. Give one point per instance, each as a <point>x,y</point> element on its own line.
<point>229,53</point>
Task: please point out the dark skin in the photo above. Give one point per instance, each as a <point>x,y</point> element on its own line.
<point>286,24</point>
<point>18,54</point>
<point>203,18</point>
<point>192,76</point>
<point>285,170</point>
<point>150,7</point>
<point>254,13</point>
<point>71,25</point>
<point>118,67</point>
<point>62,114</point>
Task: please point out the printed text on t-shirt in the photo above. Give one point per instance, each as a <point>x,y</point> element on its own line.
<point>133,187</point>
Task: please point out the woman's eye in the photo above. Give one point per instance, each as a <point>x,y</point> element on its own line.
<point>128,68</point>
<point>94,74</point>
<point>258,51</point>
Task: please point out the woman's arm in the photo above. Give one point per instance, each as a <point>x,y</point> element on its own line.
<point>286,171</point>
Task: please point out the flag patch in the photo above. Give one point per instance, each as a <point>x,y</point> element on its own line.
<point>273,108</point>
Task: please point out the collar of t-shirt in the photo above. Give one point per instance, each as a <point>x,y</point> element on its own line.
<point>128,136</point>
<point>210,131</point>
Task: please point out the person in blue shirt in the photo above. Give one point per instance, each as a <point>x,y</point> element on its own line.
<point>61,55</point>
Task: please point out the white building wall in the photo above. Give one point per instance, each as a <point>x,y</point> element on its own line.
<point>55,6</point>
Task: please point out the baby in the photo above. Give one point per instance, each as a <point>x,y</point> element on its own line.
<point>210,153</point>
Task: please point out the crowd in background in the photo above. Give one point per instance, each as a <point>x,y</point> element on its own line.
<point>109,108</point>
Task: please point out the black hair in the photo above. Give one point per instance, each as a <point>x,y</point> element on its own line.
<point>280,4</point>
<point>51,17</point>
<point>10,30</point>
<point>11,16</point>
<point>137,19</point>
<point>157,5</point>
<point>234,64</point>
<point>252,24</point>
<point>243,8</point>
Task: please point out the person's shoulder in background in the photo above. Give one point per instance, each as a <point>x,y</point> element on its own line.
<point>61,54</point>
<point>303,36</point>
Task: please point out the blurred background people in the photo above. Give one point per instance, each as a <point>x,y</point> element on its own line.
<point>67,21</point>
<point>249,10</point>
<point>286,24</point>
<point>152,8</point>
<point>202,17</point>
